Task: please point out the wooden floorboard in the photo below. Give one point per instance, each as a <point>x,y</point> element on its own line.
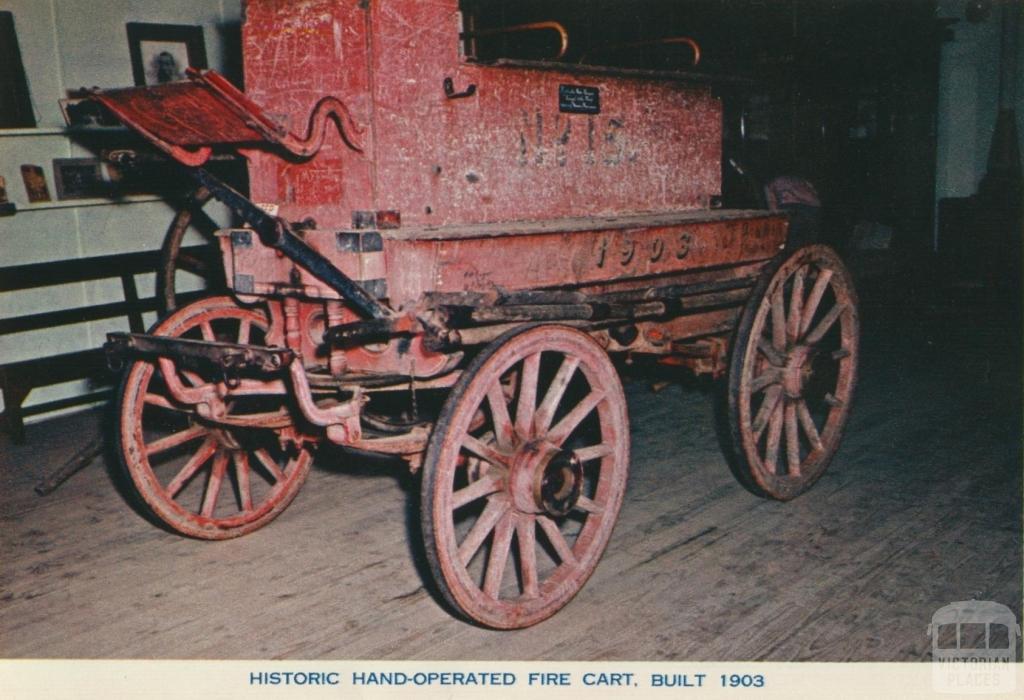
<point>921,507</point>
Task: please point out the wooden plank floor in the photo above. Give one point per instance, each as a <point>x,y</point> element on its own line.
<point>921,507</point>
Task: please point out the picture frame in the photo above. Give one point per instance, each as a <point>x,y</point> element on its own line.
<point>160,53</point>
<point>34,178</point>
<point>80,178</point>
<point>86,113</point>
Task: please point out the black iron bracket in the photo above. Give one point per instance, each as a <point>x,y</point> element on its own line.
<point>229,357</point>
<point>449,90</point>
<point>278,233</point>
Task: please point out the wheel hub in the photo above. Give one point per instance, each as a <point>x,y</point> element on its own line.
<point>545,479</point>
<point>225,439</point>
<point>797,371</point>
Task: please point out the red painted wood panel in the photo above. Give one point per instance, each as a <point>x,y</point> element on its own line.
<point>504,154</point>
<point>295,53</point>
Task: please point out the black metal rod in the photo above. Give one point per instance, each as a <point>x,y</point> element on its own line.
<point>592,311</point>
<point>277,233</point>
<point>224,355</point>
<point>676,291</point>
<point>321,267</point>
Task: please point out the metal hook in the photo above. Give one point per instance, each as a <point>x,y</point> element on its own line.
<point>449,90</point>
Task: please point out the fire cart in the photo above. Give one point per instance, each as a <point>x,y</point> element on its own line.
<point>439,259</point>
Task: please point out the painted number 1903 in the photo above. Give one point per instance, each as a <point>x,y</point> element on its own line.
<point>628,252</point>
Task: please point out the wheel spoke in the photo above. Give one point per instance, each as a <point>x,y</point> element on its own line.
<point>774,356</point>
<point>585,454</point>
<point>175,439</point>
<point>574,417</point>
<point>810,430</point>
<point>220,464</point>
<point>766,411</point>
<point>771,453</point>
<point>503,430</point>
<point>492,513</point>
<point>817,292</point>
<point>484,451</point>
<point>484,486</point>
<point>792,440</point>
<point>243,331</point>
<point>557,540</point>
<point>822,328</point>
<point>271,465</point>
<point>196,461</point>
<point>527,396</point>
<point>160,402</point>
<point>242,471</point>
<point>772,375</point>
<point>554,394</point>
<point>796,305</point>
<point>526,535</point>
<point>500,546</point>
<point>833,401</point>
<point>588,506</point>
<point>778,320</point>
<point>192,263</point>
<point>207,330</point>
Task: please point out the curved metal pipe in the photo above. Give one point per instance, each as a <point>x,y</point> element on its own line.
<point>653,42</point>
<point>563,35</point>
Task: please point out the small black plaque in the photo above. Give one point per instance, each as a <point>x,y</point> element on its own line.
<point>579,99</point>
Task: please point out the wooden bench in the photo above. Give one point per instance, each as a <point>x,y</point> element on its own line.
<point>18,379</point>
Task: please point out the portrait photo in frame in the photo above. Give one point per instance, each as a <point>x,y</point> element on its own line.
<point>80,178</point>
<point>160,53</point>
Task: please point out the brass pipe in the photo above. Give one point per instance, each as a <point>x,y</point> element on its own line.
<point>563,35</point>
<point>653,42</point>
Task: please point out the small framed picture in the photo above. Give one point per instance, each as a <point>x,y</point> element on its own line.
<point>161,52</point>
<point>35,183</point>
<point>79,178</point>
<point>83,112</point>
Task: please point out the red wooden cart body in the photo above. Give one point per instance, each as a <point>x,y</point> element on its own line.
<point>506,153</point>
<point>504,187</point>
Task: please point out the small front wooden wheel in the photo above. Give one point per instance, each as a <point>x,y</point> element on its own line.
<point>792,373</point>
<point>524,476</point>
<point>199,478</point>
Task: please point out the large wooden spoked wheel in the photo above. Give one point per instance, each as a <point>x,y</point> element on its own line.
<point>792,373</point>
<point>524,476</point>
<point>199,478</point>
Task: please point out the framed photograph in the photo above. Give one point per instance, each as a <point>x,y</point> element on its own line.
<point>82,112</point>
<point>35,183</point>
<point>161,52</point>
<point>6,206</point>
<point>79,178</point>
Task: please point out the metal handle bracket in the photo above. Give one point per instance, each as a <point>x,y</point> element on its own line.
<point>449,90</point>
